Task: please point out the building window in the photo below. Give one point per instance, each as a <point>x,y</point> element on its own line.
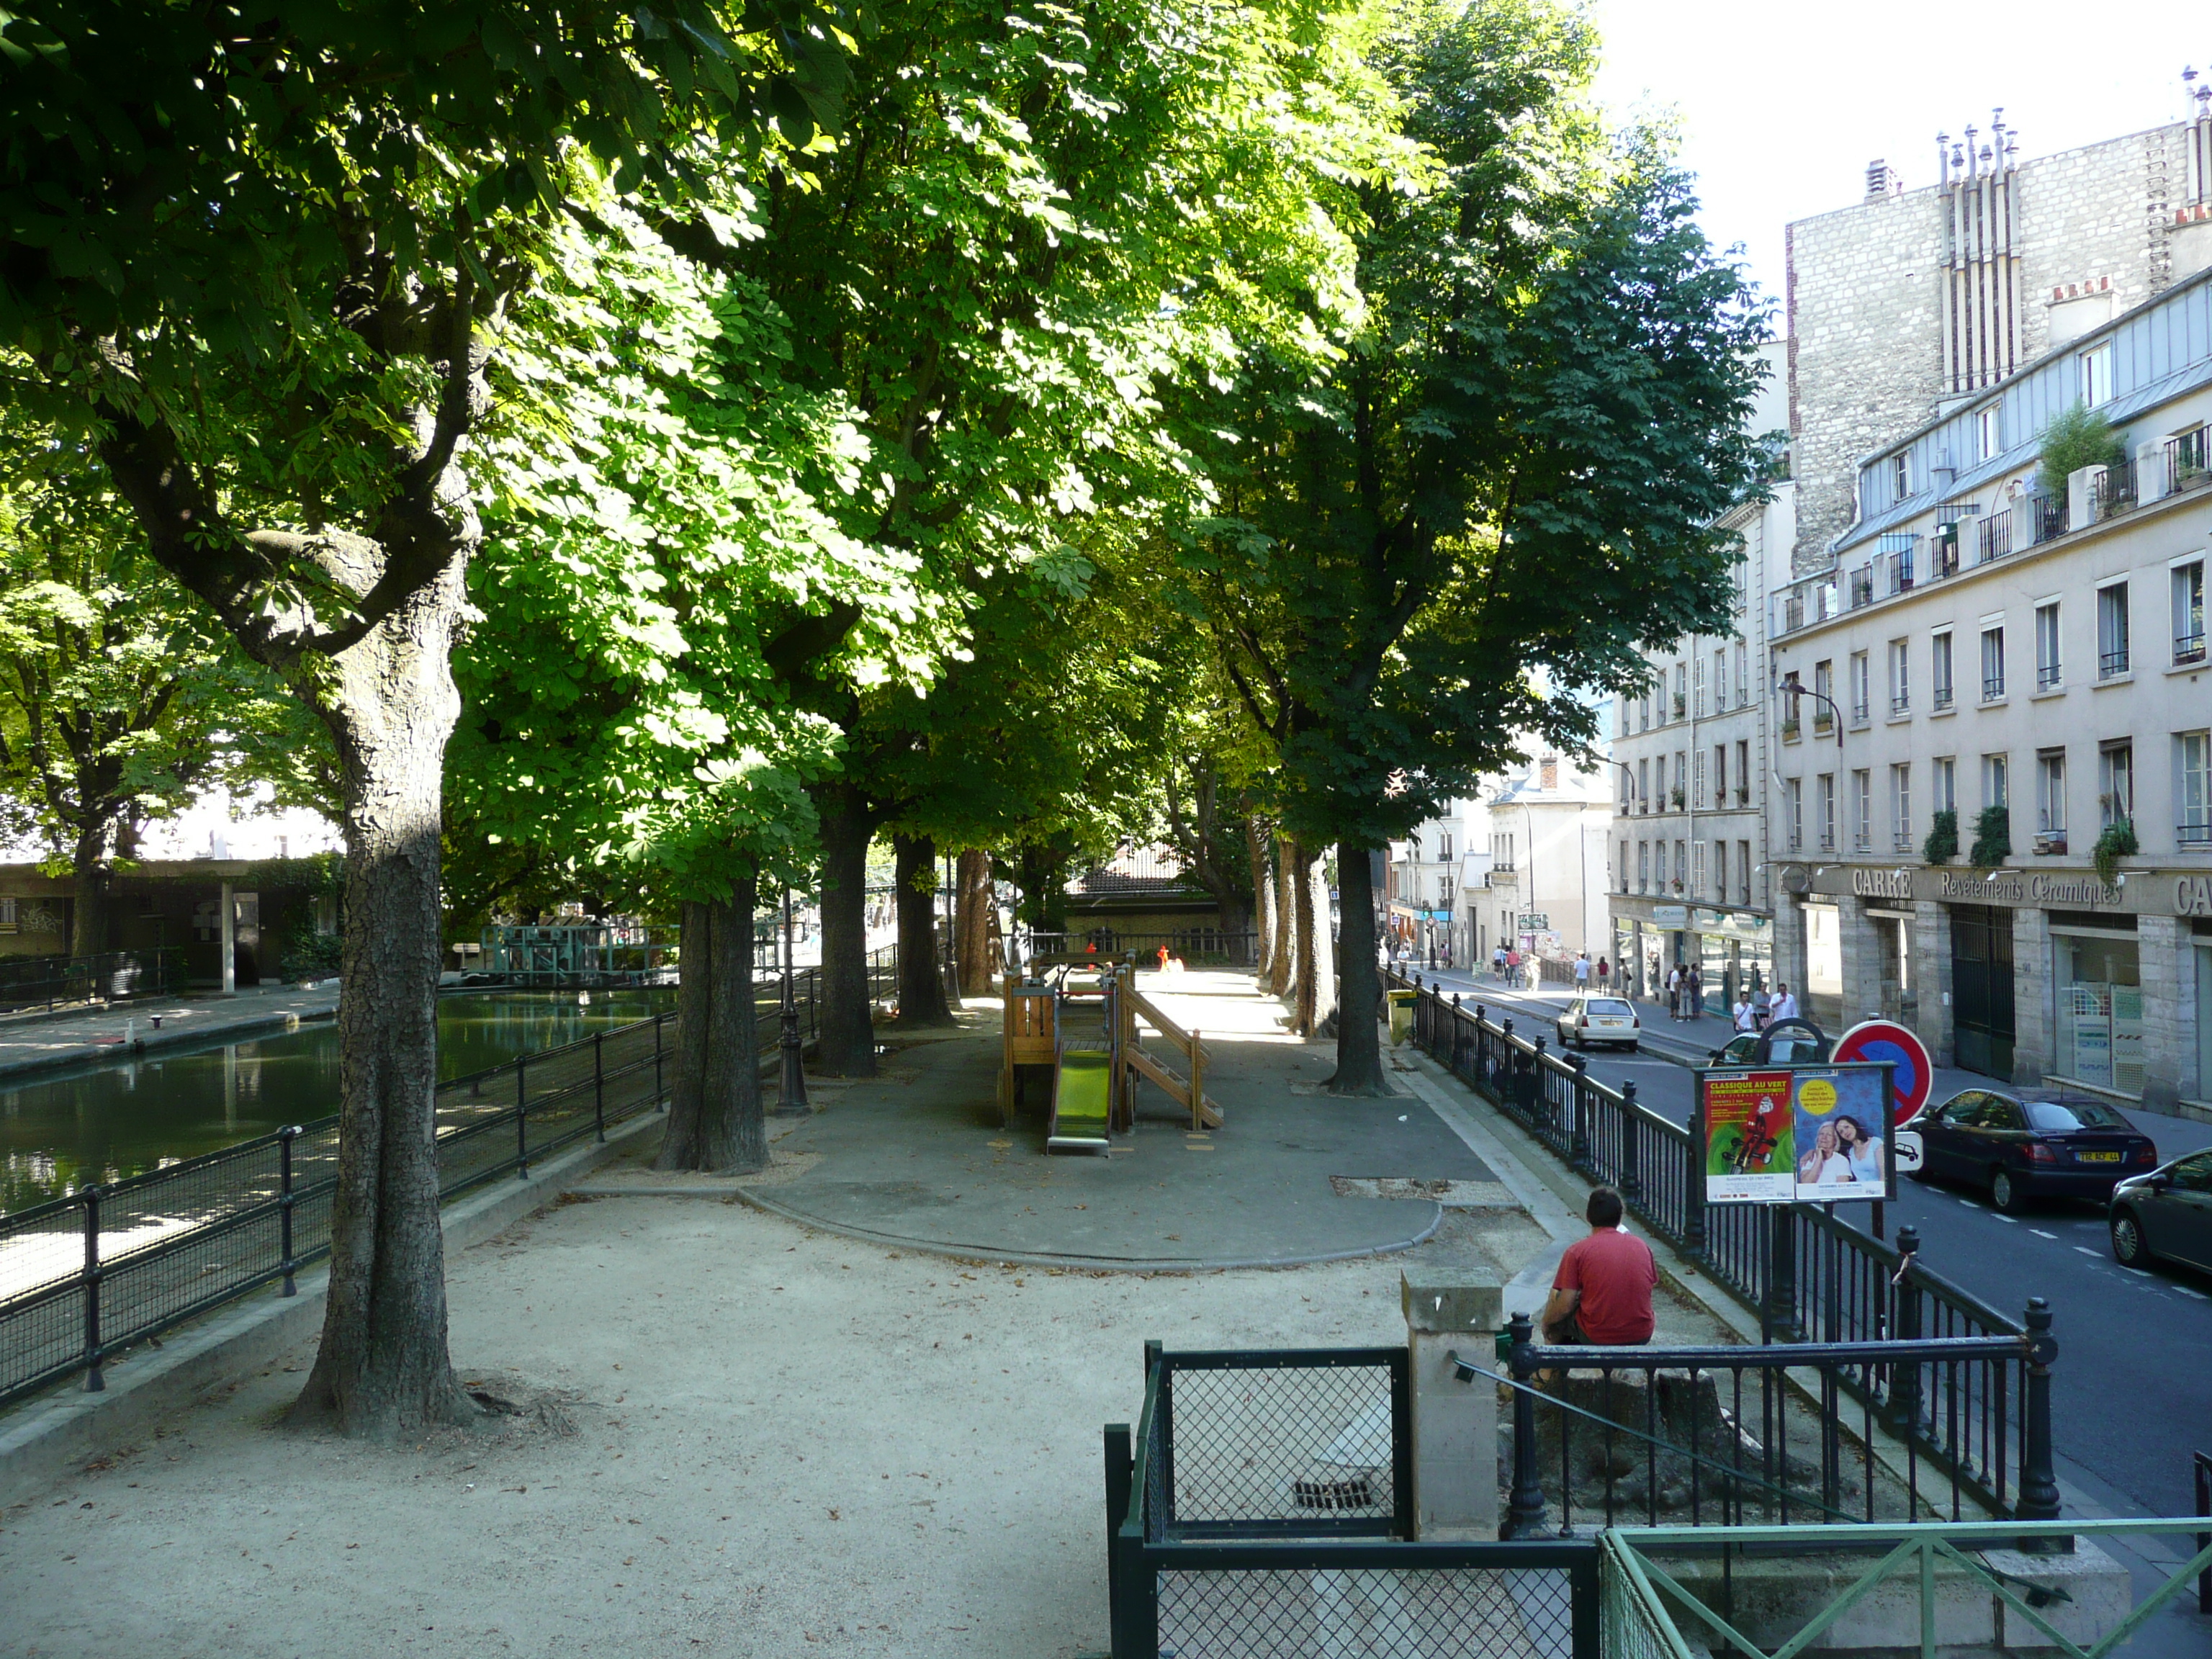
<point>1900,477</point>
<point>1720,776</point>
<point>1996,781</point>
<point>1681,785</point>
<point>2189,613</point>
<point>2050,798</point>
<point>1794,798</point>
<point>1644,785</point>
<point>1862,810</point>
<point>8,923</point>
<point>1720,873</point>
<point>2194,753</point>
<point>1743,772</point>
<point>1720,679</point>
<point>1659,863</point>
<point>1824,694</point>
<point>1698,868</point>
<point>1662,775</point>
<point>1698,781</point>
<point>1646,725</point>
<point>1824,806</point>
<point>1697,688</point>
<point>1985,431</point>
<point>1860,675</point>
<point>1681,861</point>
<point>2096,365</point>
<point>1900,808</point>
<point>2116,783</point>
<point>1742,675</point>
<point>1945,794</point>
<point>1900,676</point>
<point>1743,872</point>
<point>2111,630</point>
<point>2047,666</point>
<point>1443,847</point>
<point>1681,689</point>
<point>1992,664</point>
<point>1939,679</point>
<point>1643,867</point>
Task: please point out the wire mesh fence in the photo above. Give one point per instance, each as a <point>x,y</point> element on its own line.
<point>1513,1613</point>
<point>53,982</point>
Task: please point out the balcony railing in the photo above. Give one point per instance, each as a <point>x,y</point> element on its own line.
<point>1901,841</point>
<point>2112,491</point>
<point>2185,462</point>
<point>1993,536</point>
<point>2046,676</point>
<point>2045,517</point>
<point>1901,703</point>
<point>1859,711</point>
<point>1992,687</point>
<point>1900,571</point>
<point>2193,832</point>
<point>1943,557</point>
<point>1827,841</point>
<point>1862,842</point>
<point>2188,647</point>
<point>2111,664</point>
<point>1862,586</point>
<point>1942,697</point>
<point>1793,615</point>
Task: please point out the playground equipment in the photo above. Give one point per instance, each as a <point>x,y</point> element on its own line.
<point>1089,1034</point>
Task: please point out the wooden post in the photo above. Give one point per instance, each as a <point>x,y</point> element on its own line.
<point>1197,1080</point>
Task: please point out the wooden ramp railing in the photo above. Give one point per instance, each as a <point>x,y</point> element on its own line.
<point>1189,1089</point>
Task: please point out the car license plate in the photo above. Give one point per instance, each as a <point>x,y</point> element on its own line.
<point>2098,1157</point>
<point>1610,1024</point>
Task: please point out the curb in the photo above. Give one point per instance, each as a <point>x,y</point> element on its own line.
<point>57,1433</point>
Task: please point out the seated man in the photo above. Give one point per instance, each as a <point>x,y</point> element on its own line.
<point>1602,1293</point>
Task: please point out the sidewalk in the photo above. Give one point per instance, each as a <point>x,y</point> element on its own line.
<point>39,1045</point>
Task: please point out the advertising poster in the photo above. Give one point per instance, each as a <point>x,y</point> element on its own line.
<point>1840,1120</point>
<point>1750,1137</point>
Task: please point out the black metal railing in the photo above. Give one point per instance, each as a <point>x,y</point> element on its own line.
<point>1209,946</point>
<point>2188,647</point>
<point>2112,491</point>
<point>1941,695</point>
<point>2185,460</point>
<point>85,1276</point>
<point>1803,1272</point>
<point>1264,1507</point>
<point>111,976</point>
<point>2193,832</point>
<point>1993,536</point>
<point>2111,663</point>
<point>1992,687</point>
<point>2045,516</point>
<point>1862,586</point>
<point>1810,1432</point>
<point>2047,675</point>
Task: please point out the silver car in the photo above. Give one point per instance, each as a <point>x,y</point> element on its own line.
<point>1591,1018</point>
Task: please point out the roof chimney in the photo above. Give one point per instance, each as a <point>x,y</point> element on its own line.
<point>1882,181</point>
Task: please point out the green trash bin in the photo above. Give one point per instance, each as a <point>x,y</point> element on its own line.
<point>1401,1015</point>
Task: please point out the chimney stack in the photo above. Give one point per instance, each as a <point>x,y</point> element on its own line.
<point>1882,181</point>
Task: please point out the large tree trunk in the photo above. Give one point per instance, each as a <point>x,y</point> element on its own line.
<point>921,974</point>
<point>1282,972</point>
<point>1263,902</point>
<point>715,1115</point>
<point>972,923</point>
<point>847,1044</point>
<point>1305,1011</point>
<point>382,1370</point>
<point>88,892</point>
<point>1359,1049</point>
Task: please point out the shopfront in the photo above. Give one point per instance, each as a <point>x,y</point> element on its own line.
<point>1982,1016</point>
<point>1820,999</point>
<point>2097,1002</point>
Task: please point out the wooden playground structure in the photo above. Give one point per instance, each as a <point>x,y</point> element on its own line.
<point>1091,1031</point>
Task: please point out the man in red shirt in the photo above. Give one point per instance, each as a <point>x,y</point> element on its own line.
<point>1602,1294</point>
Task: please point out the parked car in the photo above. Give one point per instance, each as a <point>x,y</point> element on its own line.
<point>2026,1144</point>
<point>1591,1018</point>
<point>2166,1213</point>
<point>1790,1049</point>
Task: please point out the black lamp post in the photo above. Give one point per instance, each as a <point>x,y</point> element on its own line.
<point>791,1093</point>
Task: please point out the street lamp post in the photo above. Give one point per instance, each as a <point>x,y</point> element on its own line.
<point>791,1093</point>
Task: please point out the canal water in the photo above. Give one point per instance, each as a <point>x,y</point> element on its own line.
<point>118,1119</point>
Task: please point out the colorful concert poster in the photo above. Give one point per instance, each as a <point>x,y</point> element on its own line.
<point>1750,1138</point>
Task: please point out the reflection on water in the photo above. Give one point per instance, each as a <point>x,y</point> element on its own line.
<point>58,1134</point>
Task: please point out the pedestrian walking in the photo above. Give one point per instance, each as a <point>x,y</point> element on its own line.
<point>1784,1006</point>
<point>1674,993</point>
<point>1582,971</point>
<point>1745,1014</point>
<point>1697,991</point>
<point>1603,968</point>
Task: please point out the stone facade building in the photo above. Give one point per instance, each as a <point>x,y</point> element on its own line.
<point>1913,299</point>
<point>2017,663</point>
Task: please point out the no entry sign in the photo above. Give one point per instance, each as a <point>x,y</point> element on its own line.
<point>1912,1074</point>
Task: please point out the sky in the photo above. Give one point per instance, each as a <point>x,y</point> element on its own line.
<point>1779,107</point>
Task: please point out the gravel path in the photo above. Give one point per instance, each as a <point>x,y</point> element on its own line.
<point>785,1443</point>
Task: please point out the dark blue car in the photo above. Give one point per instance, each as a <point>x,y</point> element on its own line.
<point>2166,1214</point>
<point>2023,1143</point>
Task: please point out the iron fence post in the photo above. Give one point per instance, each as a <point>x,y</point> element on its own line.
<point>285,1137</point>
<point>1779,1306</point>
<point>1451,1054</point>
<point>521,1120</point>
<point>1904,1325</point>
<point>93,1383</point>
<point>1401,1442</point>
<point>2200,1467</point>
<point>659,1088</point>
<point>1536,1097</point>
<point>599,1085</point>
<point>2039,1485</point>
<point>1587,1640</point>
<point>1693,1175</point>
<point>1632,1147</point>
<point>1524,1512</point>
<point>1578,1135</point>
<point>1119,1467</point>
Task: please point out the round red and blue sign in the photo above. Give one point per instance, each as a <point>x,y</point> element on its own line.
<point>1912,1074</point>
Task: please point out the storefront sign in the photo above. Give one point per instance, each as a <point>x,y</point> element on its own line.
<point>2059,890</point>
<point>1670,915</point>
<point>2193,896</point>
<point>1537,922</point>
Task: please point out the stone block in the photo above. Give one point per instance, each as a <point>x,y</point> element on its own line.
<point>1454,1423</point>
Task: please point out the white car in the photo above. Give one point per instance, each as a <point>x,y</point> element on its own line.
<point>1592,1019</point>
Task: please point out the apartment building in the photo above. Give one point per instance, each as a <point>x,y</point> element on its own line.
<point>1999,684</point>
<point>1442,865</point>
<point>1690,877</point>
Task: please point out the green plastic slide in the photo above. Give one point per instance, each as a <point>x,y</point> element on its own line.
<point>1082,1091</point>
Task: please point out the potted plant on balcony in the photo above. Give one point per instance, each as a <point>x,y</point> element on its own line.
<point>1943,843</point>
<point>1824,720</point>
<point>2116,842</point>
<point>1992,838</point>
<point>1678,797</point>
<point>1790,730</point>
<point>2077,438</point>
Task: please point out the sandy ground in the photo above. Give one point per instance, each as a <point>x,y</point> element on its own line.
<point>785,1443</point>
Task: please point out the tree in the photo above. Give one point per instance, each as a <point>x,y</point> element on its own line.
<point>1543,393</point>
<point>117,697</point>
<point>266,253</point>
